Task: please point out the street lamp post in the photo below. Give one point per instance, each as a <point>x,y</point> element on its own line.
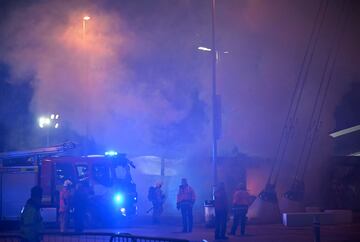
<point>213,96</point>
<point>86,18</point>
<point>215,101</point>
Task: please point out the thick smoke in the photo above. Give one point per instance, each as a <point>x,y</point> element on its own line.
<point>137,81</point>
<point>82,70</point>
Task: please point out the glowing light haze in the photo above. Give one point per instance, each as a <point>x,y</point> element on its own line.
<point>135,71</point>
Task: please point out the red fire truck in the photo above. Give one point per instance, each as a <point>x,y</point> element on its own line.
<point>112,192</point>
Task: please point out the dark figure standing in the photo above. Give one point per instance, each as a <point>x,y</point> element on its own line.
<point>80,202</point>
<point>241,201</point>
<point>30,220</point>
<point>221,211</point>
<point>157,198</point>
<point>185,202</point>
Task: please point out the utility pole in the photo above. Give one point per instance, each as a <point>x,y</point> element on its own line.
<point>214,109</point>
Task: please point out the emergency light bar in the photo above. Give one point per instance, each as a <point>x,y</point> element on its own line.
<point>111,153</point>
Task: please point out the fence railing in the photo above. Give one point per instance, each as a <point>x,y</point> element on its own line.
<point>76,237</point>
<point>121,237</point>
<point>90,237</point>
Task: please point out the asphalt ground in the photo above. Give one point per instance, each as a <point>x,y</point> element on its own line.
<point>254,233</point>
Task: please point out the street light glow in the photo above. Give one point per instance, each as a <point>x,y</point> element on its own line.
<point>345,131</point>
<point>86,18</point>
<point>202,48</point>
<point>44,121</point>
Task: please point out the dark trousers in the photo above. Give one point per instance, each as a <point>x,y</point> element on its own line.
<point>239,217</point>
<point>157,211</point>
<point>220,223</point>
<point>187,217</point>
<point>79,218</point>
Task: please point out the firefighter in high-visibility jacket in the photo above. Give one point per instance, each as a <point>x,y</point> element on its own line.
<point>64,205</point>
<point>241,202</point>
<point>185,202</point>
<point>31,224</point>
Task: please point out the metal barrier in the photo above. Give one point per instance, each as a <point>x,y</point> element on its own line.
<point>10,238</point>
<point>134,238</point>
<point>90,237</point>
<point>76,237</point>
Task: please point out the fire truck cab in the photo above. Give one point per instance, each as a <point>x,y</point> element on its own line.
<point>112,192</point>
<point>107,178</point>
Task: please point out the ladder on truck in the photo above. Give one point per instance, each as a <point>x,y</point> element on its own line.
<point>39,152</point>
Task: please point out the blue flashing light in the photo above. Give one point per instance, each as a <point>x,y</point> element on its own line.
<point>111,153</point>
<point>118,198</point>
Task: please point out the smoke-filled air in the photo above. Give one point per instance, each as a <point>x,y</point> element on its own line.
<point>86,70</point>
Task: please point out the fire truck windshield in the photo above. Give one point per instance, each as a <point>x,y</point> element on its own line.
<point>102,174</point>
<point>120,172</point>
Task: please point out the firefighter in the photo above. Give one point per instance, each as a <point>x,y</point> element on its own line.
<point>157,197</point>
<point>241,202</point>
<point>185,202</point>
<point>221,211</point>
<point>30,220</point>
<point>64,206</point>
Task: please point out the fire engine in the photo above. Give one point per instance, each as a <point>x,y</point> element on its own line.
<point>112,192</point>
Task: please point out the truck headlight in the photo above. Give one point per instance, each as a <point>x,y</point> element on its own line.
<point>118,198</point>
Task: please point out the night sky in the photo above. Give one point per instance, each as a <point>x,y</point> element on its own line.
<point>136,79</point>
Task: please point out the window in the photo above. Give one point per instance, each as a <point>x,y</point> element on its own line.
<point>64,172</point>
<point>82,172</point>
<point>123,173</point>
<point>120,172</point>
<point>101,174</point>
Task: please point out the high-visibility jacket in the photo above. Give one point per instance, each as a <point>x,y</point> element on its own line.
<point>65,196</point>
<point>186,194</point>
<point>31,222</point>
<point>241,198</point>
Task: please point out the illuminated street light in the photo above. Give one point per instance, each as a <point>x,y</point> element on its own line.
<point>345,131</point>
<point>206,49</point>
<point>215,99</point>
<point>86,18</point>
<point>44,121</point>
<point>202,48</point>
<point>48,122</point>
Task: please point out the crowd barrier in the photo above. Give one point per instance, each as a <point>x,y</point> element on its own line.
<point>90,237</point>
<point>134,238</point>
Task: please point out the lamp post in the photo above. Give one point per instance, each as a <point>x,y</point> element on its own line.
<point>213,96</point>
<point>86,18</point>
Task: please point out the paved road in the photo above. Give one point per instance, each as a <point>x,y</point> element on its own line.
<point>255,233</point>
